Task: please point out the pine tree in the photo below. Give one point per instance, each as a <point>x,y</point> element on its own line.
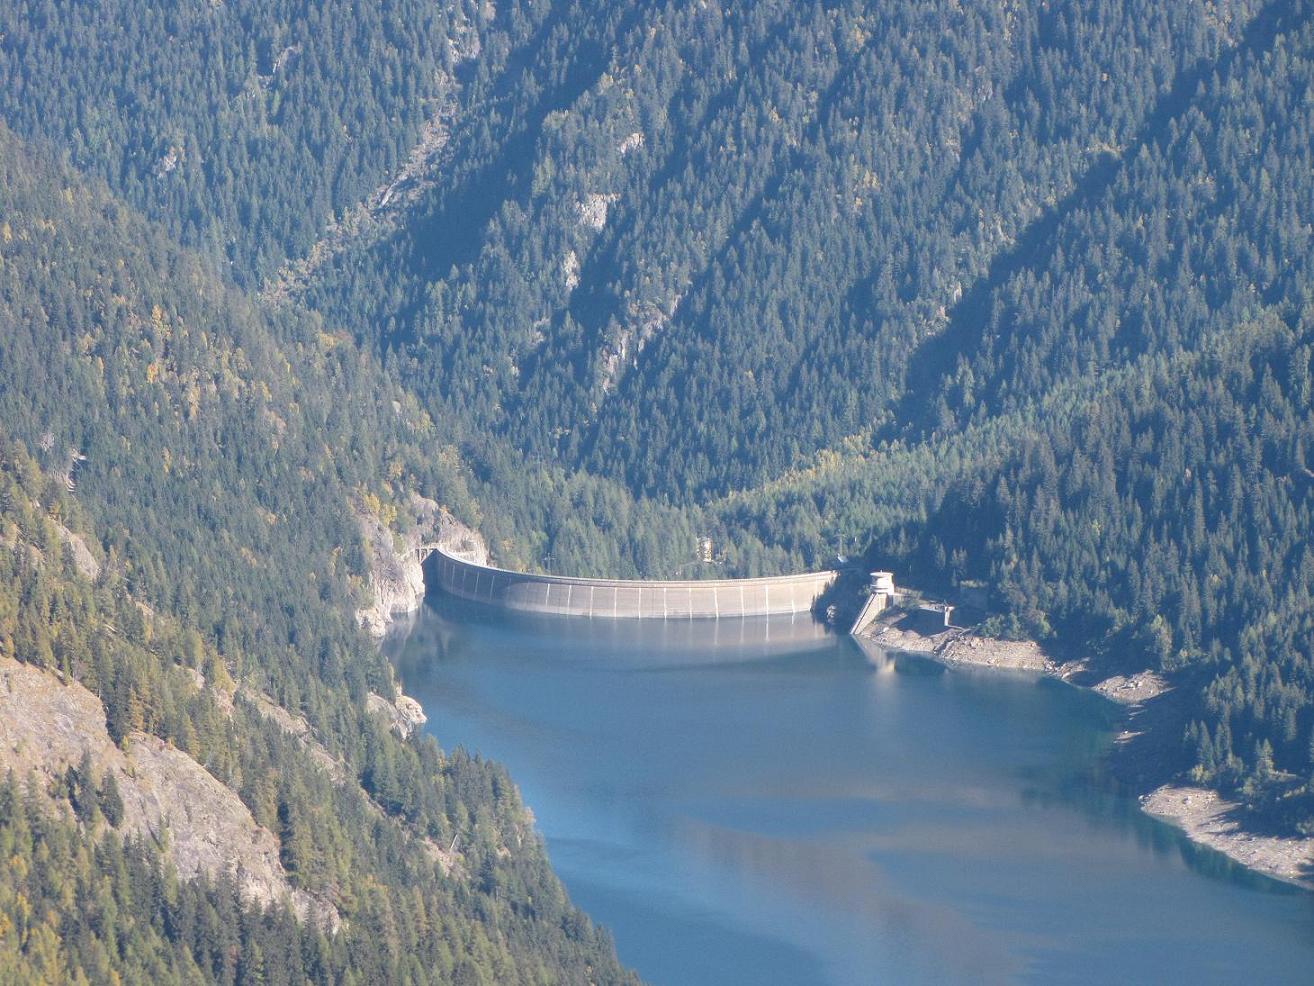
<point>109,799</point>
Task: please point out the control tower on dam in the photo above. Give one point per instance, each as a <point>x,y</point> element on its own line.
<point>629,598</point>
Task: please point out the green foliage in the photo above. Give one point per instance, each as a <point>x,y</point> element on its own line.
<point>815,187</point>
<point>155,413</point>
<point>212,117</point>
<point>1027,302</point>
<point>77,911</point>
<point>109,800</point>
<point>1164,520</point>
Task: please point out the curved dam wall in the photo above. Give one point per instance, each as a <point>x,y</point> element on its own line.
<point>629,598</point>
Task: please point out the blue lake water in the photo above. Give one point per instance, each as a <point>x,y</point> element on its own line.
<point>755,802</point>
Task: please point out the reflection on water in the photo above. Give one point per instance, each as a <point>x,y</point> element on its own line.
<point>675,641</point>
<point>758,801</point>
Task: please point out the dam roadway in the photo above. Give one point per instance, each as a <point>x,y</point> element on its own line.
<point>629,598</point>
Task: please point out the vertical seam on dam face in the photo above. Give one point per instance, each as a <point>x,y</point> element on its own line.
<point>630,599</point>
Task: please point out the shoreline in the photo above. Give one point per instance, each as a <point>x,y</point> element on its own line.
<point>1201,814</point>
<point>1209,820</point>
<point>956,646</point>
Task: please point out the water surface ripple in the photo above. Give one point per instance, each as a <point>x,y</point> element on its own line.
<point>753,802</point>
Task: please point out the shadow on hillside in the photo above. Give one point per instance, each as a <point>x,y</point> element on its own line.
<point>936,358</point>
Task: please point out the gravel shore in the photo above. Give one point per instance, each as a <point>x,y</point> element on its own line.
<point>1203,815</point>
<point>1211,821</point>
<point>957,646</point>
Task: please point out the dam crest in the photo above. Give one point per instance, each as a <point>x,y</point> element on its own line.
<point>628,598</point>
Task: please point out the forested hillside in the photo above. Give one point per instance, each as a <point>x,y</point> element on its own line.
<point>1012,292</point>
<point>176,472</point>
<point>735,226</point>
<point>244,128</point>
<point>1167,522</point>
<point>806,269</point>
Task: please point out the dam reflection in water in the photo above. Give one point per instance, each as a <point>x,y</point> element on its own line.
<point>746,801</point>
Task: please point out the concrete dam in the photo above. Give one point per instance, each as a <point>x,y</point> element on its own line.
<point>629,598</point>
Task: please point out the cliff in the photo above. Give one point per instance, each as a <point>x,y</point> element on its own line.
<point>403,716</point>
<point>397,541</point>
<point>47,726</point>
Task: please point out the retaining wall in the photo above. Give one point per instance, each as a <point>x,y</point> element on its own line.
<point>629,598</point>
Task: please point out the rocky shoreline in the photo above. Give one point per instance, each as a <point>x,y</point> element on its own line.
<point>1204,816</point>
<point>1201,814</point>
<point>1209,820</point>
<point>956,646</point>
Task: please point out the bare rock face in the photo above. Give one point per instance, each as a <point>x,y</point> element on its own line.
<point>958,647</point>
<point>404,716</point>
<point>202,825</point>
<point>593,210</point>
<point>45,725</point>
<point>396,580</point>
<point>396,575</point>
<point>448,860</point>
<point>208,829</point>
<point>397,557</point>
<point>83,559</point>
<point>1011,655</point>
<point>296,726</point>
<point>632,142</point>
<point>570,270</point>
<point>461,540</point>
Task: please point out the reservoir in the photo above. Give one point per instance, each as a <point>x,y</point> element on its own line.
<point>752,801</point>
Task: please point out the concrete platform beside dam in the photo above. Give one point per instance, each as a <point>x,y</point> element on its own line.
<point>629,599</point>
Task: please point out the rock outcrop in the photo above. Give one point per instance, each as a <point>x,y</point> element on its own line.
<point>987,652</point>
<point>404,716</point>
<point>396,576</point>
<point>297,727</point>
<point>83,559</point>
<point>1132,689</point>
<point>461,540</point>
<point>897,631</point>
<point>593,210</point>
<point>201,825</point>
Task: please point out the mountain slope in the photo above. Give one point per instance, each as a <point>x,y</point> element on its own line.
<point>775,281</point>
<point>199,456</point>
<point>208,117</point>
<point>1114,436</point>
<point>721,254</point>
<point>1013,292</point>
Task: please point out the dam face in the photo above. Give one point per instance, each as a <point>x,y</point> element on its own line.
<point>629,598</point>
